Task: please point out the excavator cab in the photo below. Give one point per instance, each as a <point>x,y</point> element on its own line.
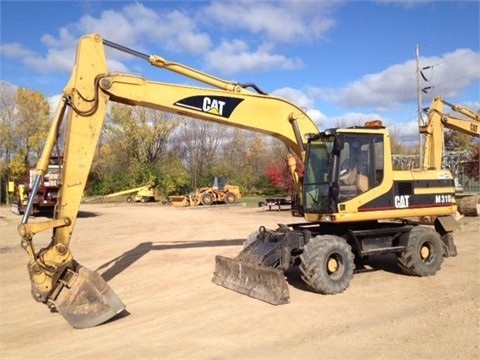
<point>341,166</point>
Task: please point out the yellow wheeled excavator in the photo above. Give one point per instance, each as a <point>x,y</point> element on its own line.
<point>345,220</point>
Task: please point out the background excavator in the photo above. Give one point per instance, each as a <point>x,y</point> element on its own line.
<point>344,222</point>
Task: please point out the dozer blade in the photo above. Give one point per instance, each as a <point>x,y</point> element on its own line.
<point>85,300</point>
<point>256,281</point>
<point>178,200</point>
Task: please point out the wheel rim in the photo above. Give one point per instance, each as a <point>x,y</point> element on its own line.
<point>207,199</point>
<point>425,252</point>
<point>335,266</point>
<point>332,265</point>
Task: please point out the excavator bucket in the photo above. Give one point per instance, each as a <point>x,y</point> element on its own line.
<point>260,282</point>
<point>85,299</point>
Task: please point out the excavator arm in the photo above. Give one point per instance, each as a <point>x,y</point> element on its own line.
<point>57,280</point>
<point>437,122</point>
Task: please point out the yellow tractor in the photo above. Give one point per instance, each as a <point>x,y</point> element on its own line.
<point>353,203</point>
<point>221,192</point>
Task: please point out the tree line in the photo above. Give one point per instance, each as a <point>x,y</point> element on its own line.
<point>139,146</point>
<point>179,154</point>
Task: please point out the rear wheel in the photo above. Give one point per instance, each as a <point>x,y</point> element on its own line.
<point>327,264</point>
<point>230,198</point>
<point>206,199</point>
<point>424,254</point>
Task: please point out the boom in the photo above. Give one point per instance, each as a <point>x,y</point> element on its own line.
<point>53,272</point>
<point>434,130</point>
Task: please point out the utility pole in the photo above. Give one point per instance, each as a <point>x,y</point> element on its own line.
<point>419,107</point>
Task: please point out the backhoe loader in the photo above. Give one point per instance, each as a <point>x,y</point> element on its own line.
<point>345,221</point>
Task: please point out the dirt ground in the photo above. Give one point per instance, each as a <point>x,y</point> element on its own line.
<point>160,261</point>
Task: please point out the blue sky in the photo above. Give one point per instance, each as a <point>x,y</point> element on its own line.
<point>345,62</point>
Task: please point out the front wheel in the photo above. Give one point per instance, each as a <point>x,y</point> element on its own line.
<point>206,199</point>
<point>424,254</point>
<point>230,198</point>
<point>327,264</point>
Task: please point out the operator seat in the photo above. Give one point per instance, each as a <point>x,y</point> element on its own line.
<point>361,181</point>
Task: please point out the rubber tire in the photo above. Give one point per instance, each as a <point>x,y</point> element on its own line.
<point>143,199</point>
<point>129,199</point>
<point>206,199</point>
<point>411,262</point>
<point>230,198</point>
<point>314,264</point>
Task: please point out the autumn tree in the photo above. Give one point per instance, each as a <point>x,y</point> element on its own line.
<point>279,176</point>
<point>132,148</point>
<point>25,119</point>
<point>473,168</point>
<point>457,141</point>
<point>7,146</point>
<point>32,121</point>
<point>7,121</point>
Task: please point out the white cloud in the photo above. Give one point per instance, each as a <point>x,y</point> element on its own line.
<point>133,26</point>
<point>279,21</point>
<point>396,85</point>
<point>303,101</point>
<point>235,56</point>
<point>298,97</point>
<point>270,23</point>
<point>55,60</point>
<point>138,26</point>
<point>14,51</point>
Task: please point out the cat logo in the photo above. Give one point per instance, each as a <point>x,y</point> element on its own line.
<point>402,201</point>
<point>222,106</point>
<point>213,106</point>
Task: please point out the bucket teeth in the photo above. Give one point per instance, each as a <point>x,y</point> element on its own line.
<point>256,281</point>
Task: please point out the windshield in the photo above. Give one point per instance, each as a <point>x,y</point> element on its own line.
<point>317,176</point>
